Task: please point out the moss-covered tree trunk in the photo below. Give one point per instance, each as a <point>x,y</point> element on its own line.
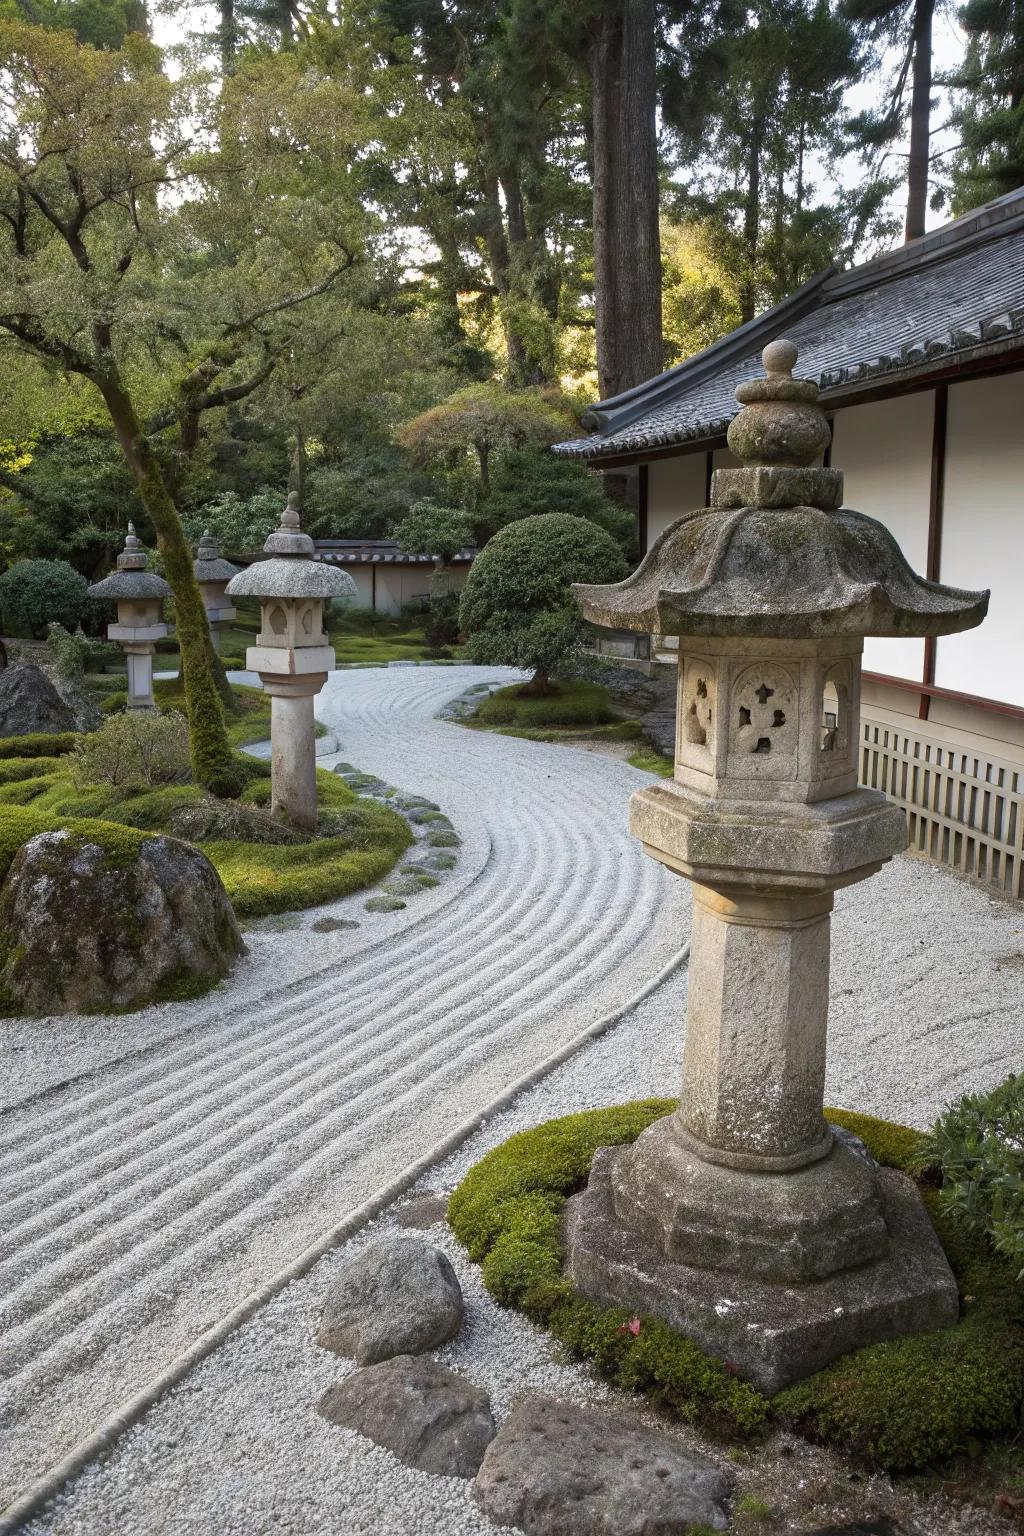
<point>213,763</point>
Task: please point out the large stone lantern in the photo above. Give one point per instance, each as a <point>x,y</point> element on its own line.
<point>743,1219</point>
<point>292,656</point>
<point>213,574</point>
<point>139,596</point>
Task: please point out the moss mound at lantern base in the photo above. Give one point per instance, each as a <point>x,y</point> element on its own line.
<point>966,1382</point>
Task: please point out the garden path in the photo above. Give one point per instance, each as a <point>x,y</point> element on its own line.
<point>158,1169</point>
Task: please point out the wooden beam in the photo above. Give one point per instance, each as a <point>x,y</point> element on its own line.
<point>642,492</point>
<point>909,685</point>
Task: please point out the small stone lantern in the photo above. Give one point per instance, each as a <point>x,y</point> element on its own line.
<point>213,575</point>
<point>139,596</point>
<point>292,656</point>
<point>743,1219</point>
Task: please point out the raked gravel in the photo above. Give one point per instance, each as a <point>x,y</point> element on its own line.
<point>157,1168</point>
<point>927,972</point>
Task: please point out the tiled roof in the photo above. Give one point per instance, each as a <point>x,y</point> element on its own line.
<point>936,300</point>
<point>377,552</point>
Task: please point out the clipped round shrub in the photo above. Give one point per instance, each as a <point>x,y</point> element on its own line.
<point>517,606</point>
<point>35,593</point>
<point>574,703</point>
<point>899,1404</point>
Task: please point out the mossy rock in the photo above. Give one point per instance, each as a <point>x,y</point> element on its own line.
<point>443,837</point>
<point>899,1404</point>
<point>384,904</point>
<point>97,918</point>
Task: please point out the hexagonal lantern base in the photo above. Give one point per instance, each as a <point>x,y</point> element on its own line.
<point>772,1333</point>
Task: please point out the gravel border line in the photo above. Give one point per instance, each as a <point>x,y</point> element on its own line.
<point>130,1412</point>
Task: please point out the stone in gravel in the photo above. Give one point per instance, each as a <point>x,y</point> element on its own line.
<point>444,838</point>
<point>421,817</point>
<point>430,862</point>
<point>421,1212</point>
<point>30,703</point>
<point>87,933</point>
<point>428,1416</point>
<point>398,1296</point>
<point>333,924</point>
<point>424,879</point>
<point>402,885</point>
<point>384,904</point>
<point>877,1525</point>
<point>562,1469</point>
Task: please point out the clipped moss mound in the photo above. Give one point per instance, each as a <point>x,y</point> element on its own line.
<point>38,745</point>
<point>900,1404</point>
<point>572,703</point>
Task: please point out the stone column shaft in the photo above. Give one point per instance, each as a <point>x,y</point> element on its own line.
<point>140,676</point>
<point>293,759</point>
<point>754,1065</point>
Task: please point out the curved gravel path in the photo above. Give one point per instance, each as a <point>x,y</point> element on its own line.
<point>155,1170</point>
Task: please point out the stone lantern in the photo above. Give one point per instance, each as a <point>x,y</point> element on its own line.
<point>292,656</point>
<point>743,1219</point>
<point>139,596</point>
<point>213,574</point>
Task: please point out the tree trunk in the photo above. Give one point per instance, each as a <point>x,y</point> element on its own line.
<point>227,37</point>
<point>752,219</point>
<point>297,477</point>
<point>539,684</point>
<point>920,121</point>
<point>627,248</point>
<point>499,261</point>
<point>483,453</point>
<point>213,763</point>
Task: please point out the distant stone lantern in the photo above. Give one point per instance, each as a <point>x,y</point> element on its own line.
<point>213,574</point>
<point>292,656</point>
<point>139,596</point>
<point>743,1219</point>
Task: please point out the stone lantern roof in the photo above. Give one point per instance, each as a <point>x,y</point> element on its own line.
<point>208,565</point>
<point>776,554</point>
<point>131,582</point>
<point>291,571</point>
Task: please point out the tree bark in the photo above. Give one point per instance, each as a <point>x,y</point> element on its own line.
<point>213,763</point>
<point>752,219</point>
<point>627,247</point>
<point>227,37</point>
<point>920,121</point>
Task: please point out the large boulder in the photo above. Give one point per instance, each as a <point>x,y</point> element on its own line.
<point>88,931</point>
<point>29,702</point>
<point>431,1418</point>
<point>397,1296</point>
<point>561,1469</point>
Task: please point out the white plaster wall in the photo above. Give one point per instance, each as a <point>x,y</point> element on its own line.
<point>884,449</point>
<point>983,535</point>
<point>674,486</point>
<point>364,584</point>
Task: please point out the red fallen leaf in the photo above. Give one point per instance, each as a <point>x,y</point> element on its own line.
<point>633,1326</point>
<point>1007,1503</point>
<point>733,1370</point>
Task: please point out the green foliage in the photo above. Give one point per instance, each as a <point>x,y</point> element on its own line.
<point>978,1143</point>
<point>989,111</point>
<point>14,770</point>
<point>517,607</point>
<point>900,1404</point>
<point>486,420</point>
<point>34,593</point>
<point>240,525</point>
<point>430,529</point>
<point>572,703</point>
<point>526,483</point>
<point>133,751</point>
<point>68,652</point>
<point>38,744</point>
<point>74,494</point>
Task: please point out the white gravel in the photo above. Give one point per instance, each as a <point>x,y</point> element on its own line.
<point>238,1448</point>
<point>155,1169</point>
<point>196,1168</point>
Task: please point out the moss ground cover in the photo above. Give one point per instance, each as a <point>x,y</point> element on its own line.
<point>38,745</point>
<point>653,762</point>
<point>900,1404</point>
<point>574,703</point>
<point>361,639</point>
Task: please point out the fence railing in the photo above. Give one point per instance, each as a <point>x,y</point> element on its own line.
<point>964,808</point>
